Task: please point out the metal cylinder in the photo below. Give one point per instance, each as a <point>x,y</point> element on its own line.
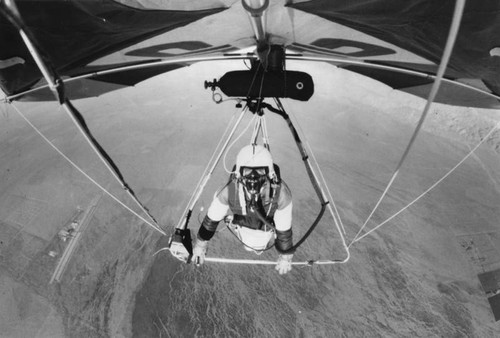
<point>256,9</point>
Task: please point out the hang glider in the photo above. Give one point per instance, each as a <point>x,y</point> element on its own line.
<point>72,49</point>
<point>98,46</point>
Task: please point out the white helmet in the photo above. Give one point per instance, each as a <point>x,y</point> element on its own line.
<point>254,156</point>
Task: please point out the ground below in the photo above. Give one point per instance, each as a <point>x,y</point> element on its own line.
<point>414,277</point>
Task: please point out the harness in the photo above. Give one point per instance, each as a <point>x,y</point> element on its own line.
<point>245,212</point>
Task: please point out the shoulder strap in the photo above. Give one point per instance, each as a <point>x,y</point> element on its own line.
<point>274,194</point>
<point>237,203</point>
<point>232,190</point>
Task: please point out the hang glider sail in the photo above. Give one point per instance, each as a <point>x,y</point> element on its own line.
<point>81,37</point>
<point>419,27</point>
<point>109,45</point>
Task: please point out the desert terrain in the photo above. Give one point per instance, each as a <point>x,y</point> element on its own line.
<point>417,276</point>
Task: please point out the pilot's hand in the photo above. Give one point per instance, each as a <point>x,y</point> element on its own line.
<point>199,251</point>
<point>284,263</point>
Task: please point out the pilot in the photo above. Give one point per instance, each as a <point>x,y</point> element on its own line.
<point>261,204</point>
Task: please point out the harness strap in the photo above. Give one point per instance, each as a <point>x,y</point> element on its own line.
<point>274,193</point>
<point>238,203</point>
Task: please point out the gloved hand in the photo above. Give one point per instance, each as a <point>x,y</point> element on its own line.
<point>199,251</point>
<point>284,263</point>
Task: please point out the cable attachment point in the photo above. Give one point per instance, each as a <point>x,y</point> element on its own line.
<point>59,90</point>
<point>256,106</point>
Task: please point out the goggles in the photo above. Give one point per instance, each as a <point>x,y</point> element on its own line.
<point>253,172</point>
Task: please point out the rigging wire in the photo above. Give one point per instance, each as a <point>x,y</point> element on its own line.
<point>486,137</point>
<point>334,212</point>
<point>265,134</point>
<point>260,126</point>
<point>252,121</point>
<point>56,85</point>
<point>207,173</point>
<point>84,173</point>
<point>455,25</point>
<point>256,130</point>
<point>328,198</point>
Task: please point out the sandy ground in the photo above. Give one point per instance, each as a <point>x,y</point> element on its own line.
<point>413,278</point>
